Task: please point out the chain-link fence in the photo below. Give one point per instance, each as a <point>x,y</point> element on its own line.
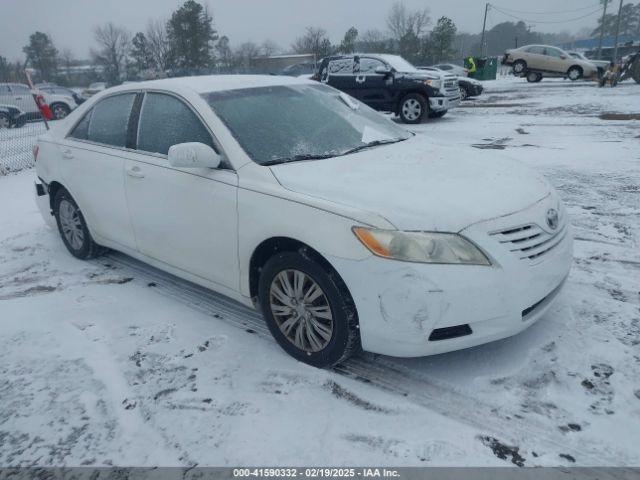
<point>16,146</point>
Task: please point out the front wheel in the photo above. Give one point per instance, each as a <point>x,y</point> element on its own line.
<point>463,93</point>
<point>73,227</point>
<point>534,77</point>
<point>413,108</point>
<point>574,73</point>
<point>519,67</point>
<point>308,309</point>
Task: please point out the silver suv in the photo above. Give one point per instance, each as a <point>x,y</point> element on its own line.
<point>534,61</point>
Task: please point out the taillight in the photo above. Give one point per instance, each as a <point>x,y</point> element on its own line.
<point>36,150</point>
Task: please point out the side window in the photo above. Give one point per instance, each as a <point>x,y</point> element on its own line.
<point>369,65</point>
<point>536,50</point>
<point>342,66</point>
<point>4,89</point>
<point>167,121</point>
<point>20,90</point>
<point>81,130</point>
<point>110,120</point>
<point>553,52</point>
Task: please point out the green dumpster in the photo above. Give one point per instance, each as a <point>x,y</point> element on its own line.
<point>486,68</point>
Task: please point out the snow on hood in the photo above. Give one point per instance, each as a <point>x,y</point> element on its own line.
<point>417,185</point>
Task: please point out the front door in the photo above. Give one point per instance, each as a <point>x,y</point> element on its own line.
<point>341,74</point>
<point>373,88</point>
<point>183,217</point>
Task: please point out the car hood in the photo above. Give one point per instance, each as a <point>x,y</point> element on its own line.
<point>416,185</point>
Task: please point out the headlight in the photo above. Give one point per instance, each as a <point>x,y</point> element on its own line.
<point>421,247</point>
<point>435,83</point>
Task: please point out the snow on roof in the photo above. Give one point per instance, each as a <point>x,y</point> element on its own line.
<point>215,83</point>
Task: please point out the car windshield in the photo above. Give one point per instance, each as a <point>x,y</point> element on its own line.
<point>287,123</point>
<point>399,64</point>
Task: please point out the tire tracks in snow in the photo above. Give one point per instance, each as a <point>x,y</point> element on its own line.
<point>384,373</point>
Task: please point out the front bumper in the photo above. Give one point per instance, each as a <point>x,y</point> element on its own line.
<point>438,104</point>
<point>404,308</point>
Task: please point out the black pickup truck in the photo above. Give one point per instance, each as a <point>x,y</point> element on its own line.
<point>391,84</point>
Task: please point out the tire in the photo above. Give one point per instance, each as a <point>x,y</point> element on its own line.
<point>60,110</point>
<point>20,121</point>
<point>463,93</point>
<point>519,67</point>
<point>534,77</point>
<point>73,227</point>
<point>331,340</point>
<point>5,120</point>
<point>413,108</point>
<point>574,73</point>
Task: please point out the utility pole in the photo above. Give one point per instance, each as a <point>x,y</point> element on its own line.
<point>615,49</point>
<point>604,14</point>
<point>484,27</point>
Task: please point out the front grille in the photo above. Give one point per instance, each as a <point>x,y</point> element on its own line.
<point>530,242</point>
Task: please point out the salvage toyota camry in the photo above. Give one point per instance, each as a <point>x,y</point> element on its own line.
<point>346,230</point>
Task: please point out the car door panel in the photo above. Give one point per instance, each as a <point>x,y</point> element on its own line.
<point>92,163</point>
<point>185,218</point>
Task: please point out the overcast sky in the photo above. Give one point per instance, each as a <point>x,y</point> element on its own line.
<point>70,22</point>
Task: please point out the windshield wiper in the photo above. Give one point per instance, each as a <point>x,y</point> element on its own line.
<point>298,158</point>
<point>375,143</point>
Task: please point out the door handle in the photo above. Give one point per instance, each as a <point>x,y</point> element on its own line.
<point>135,172</point>
<point>67,153</point>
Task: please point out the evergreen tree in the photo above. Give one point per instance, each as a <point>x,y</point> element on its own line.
<point>42,55</point>
<point>141,53</point>
<point>191,35</point>
<point>441,40</point>
<point>348,44</point>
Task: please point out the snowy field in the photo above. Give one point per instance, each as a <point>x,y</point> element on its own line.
<point>110,362</point>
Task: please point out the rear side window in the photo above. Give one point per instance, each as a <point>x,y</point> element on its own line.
<point>166,121</point>
<point>109,120</point>
<point>81,130</point>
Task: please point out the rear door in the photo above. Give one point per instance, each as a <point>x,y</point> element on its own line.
<point>92,167</point>
<point>183,217</point>
<point>23,98</point>
<point>374,88</point>
<point>341,74</point>
<point>535,58</point>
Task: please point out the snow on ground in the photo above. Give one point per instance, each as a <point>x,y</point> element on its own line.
<point>107,362</point>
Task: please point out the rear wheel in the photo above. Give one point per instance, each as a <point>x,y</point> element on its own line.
<point>574,73</point>
<point>463,93</point>
<point>519,67</point>
<point>73,228</point>
<point>308,310</point>
<point>413,108</point>
<point>5,120</point>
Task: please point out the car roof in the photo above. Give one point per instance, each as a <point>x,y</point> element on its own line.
<point>216,83</point>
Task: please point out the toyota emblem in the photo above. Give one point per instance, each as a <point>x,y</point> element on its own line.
<point>552,218</point>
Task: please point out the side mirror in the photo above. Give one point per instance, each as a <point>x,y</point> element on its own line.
<point>193,155</point>
<point>382,70</point>
<point>563,57</point>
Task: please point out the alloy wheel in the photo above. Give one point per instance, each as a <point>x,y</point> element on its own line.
<point>4,121</point>
<point>411,109</point>
<point>301,310</point>
<point>60,112</point>
<point>71,224</point>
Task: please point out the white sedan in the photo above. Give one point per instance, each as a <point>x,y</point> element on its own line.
<point>345,229</point>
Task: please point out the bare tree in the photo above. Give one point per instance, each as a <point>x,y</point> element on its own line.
<point>314,40</point>
<point>402,22</point>
<point>113,48</point>
<point>67,58</point>
<point>269,47</point>
<point>158,44</point>
<point>244,53</point>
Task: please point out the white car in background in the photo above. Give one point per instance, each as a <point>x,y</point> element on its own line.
<point>94,88</point>
<point>60,101</point>
<point>601,65</point>
<point>345,229</point>
<point>452,68</point>
<point>21,96</point>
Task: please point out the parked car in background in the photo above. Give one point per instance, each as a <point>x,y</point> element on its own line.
<point>58,90</point>
<point>389,83</point>
<point>602,65</point>
<point>536,61</point>
<point>20,96</point>
<point>61,100</point>
<point>469,87</point>
<point>94,88</point>
<point>305,68</point>
<point>452,68</point>
<point>11,116</point>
